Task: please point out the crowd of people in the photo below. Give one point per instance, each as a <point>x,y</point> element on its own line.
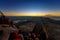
<point>27,36</point>
<point>24,36</point>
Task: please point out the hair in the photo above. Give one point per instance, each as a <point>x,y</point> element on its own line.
<point>1,32</point>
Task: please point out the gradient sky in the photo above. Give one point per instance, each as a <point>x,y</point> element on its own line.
<point>29,6</point>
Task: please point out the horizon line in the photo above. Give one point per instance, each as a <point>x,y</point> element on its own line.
<point>22,14</point>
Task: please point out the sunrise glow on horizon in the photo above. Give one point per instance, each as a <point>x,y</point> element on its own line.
<point>33,14</point>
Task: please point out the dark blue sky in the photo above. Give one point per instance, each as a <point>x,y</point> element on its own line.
<point>29,5</point>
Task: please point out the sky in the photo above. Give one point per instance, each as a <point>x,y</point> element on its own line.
<point>29,6</point>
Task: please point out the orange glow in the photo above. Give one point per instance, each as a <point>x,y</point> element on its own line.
<point>33,14</point>
<point>25,14</point>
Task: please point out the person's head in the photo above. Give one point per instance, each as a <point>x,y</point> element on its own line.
<point>10,22</point>
<point>29,34</point>
<point>36,38</point>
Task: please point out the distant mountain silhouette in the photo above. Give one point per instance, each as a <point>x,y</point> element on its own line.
<point>52,15</point>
